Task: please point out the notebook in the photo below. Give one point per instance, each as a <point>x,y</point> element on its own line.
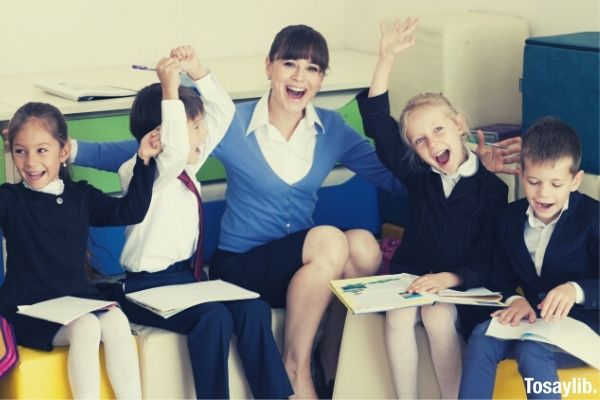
<point>63,310</point>
<point>79,91</point>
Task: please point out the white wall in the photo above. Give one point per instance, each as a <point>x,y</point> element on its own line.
<point>546,17</point>
<point>40,35</point>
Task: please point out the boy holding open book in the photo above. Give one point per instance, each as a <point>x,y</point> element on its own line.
<point>166,247</point>
<point>547,246</point>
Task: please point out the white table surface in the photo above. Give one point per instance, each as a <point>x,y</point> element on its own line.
<point>242,77</point>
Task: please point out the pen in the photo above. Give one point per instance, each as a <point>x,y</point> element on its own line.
<point>142,68</point>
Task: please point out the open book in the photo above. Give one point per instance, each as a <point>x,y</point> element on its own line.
<point>82,91</point>
<point>169,300</point>
<point>63,310</point>
<point>386,292</point>
<point>572,336</point>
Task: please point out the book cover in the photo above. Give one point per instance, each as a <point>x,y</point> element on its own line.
<point>63,310</point>
<point>169,300</point>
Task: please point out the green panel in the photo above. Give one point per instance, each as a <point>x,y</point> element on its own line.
<point>99,129</point>
<point>351,114</point>
<point>113,128</point>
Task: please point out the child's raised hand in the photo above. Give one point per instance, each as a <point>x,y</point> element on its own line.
<point>433,283</point>
<point>513,314</point>
<point>497,158</point>
<point>558,302</point>
<point>168,70</point>
<point>190,63</point>
<point>150,145</point>
<point>397,37</point>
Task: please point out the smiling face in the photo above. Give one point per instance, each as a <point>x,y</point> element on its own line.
<point>197,132</point>
<point>37,154</point>
<point>435,134</point>
<point>294,83</point>
<point>547,186</point>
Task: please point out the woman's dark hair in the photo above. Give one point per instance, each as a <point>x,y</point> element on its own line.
<point>50,117</point>
<point>296,42</point>
<point>146,111</point>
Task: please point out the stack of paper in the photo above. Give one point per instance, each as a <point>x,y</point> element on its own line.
<point>64,309</point>
<point>79,91</point>
<point>169,300</point>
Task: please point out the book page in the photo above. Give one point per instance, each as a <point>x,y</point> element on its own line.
<point>378,293</point>
<point>572,336</point>
<point>171,299</point>
<point>64,309</point>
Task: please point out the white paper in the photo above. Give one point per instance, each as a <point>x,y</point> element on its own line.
<point>171,299</point>
<point>480,291</point>
<point>78,91</point>
<point>572,336</point>
<point>63,310</point>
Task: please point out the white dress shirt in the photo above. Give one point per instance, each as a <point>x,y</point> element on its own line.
<point>537,235</point>
<point>292,159</point>
<point>56,187</point>
<point>467,168</point>
<point>169,232</point>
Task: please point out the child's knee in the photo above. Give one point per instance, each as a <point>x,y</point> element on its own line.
<point>439,316</point>
<point>530,354</point>
<point>401,319</point>
<point>216,319</point>
<point>85,329</point>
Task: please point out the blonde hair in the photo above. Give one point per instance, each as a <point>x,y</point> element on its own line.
<point>427,99</point>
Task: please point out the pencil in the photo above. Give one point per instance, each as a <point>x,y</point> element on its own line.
<point>143,67</point>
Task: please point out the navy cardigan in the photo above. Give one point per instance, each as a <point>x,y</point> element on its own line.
<point>571,255</point>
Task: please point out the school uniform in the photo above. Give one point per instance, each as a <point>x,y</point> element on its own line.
<point>537,257</point>
<point>46,242</point>
<point>451,217</point>
<point>159,251</point>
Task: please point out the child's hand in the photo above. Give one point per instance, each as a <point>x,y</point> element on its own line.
<point>150,145</point>
<point>513,314</point>
<point>496,159</point>
<point>168,70</point>
<point>396,38</point>
<point>558,302</point>
<point>5,136</point>
<point>433,283</point>
<point>189,61</point>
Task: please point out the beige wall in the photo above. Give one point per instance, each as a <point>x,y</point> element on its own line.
<point>40,35</point>
<point>545,17</point>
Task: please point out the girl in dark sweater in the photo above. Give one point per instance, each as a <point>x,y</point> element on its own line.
<point>452,202</point>
<point>45,220</point>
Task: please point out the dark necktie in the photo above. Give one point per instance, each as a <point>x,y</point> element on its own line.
<point>198,259</point>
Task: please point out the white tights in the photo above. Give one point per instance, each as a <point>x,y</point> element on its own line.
<point>439,321</point>
<point>83,337</point>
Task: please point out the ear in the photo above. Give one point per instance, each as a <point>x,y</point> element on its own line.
<point>577,180</point>
<point>268,67</point>
<point>65,152</point>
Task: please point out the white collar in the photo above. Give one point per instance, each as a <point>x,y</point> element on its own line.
<point>534,222</point>
<point>56,187</point>
<point>260,116</point>
<point>467,168</point>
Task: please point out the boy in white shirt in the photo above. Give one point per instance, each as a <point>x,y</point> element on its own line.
<point>163,248</point>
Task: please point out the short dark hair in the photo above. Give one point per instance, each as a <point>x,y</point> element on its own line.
<point>52,119</point>
<point>296,42</point>
<point>146,111</point>
<point>550,139</point>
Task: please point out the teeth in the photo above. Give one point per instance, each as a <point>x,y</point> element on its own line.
<point>296,89</point>
<point>439,153</point>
